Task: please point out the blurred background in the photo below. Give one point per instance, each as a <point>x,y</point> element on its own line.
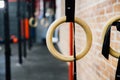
<point>29,21</point>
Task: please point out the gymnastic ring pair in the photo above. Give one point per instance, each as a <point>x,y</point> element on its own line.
<point>88,33</point>
<point>43,22</point>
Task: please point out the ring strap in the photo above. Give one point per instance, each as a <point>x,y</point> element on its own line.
<point>33,8</point>
<point>70,15</point>
<point>117,24</point>
<point>106,43</point>
<point>70,10</point>
<point>44,8</point>
<point>117,76</point>
<point>75,67</point>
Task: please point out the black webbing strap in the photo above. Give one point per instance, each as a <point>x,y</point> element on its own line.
<point>106,43</point>
<point>70,10</point>
<point>106,47</point>
<point>75,67</point>
<point>7,42</point>
<point>117,76</point>
<point>54,6</point>
<point>33,7</point>
<point>44,8</point>
<point>51,4</point>
<point>70,15</point>
<point>117,24</point>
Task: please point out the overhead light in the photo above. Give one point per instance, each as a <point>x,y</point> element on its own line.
<point>2,4</point>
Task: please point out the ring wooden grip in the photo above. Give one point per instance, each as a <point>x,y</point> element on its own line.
<point>44,22</point>
<point>107,25</point>
<point>57,54</point>
<point>31,22</point>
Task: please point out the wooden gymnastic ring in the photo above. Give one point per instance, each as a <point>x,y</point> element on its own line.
<point>44,22</point>
<point>107,25</point>
<point>57,54</point>
<point>31,22</point>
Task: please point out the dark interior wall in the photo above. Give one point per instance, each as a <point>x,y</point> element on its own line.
<point>1,23</point>
<point>12,19</point>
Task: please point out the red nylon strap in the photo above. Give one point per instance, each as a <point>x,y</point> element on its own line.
<point>71,51</point>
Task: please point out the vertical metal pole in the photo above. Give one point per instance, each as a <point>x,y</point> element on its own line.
<point>31,11</point>
<point>44,8</point>
<point>54,7</point>
<point>7,42</point>
<point>19,33</point>
<point>30,14</point>
<point>24,39</point>
<point>33,29</point>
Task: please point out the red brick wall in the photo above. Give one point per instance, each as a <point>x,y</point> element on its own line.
<point>95,13</point>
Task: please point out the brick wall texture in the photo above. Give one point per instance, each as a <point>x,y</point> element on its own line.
<point>95,13</point>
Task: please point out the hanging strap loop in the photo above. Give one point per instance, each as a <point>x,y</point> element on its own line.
<point>44,8</point>
<point>106,44</point>
<point>106,49</point>
<point>69,10</point>
<point>117,24</point>
<point>117,75</point>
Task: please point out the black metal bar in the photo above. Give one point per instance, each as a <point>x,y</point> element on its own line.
<point>7,42</point>
<point>19,33</point>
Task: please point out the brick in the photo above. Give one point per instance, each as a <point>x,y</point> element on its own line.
<point>109,9</point>
<point>113,1</point>
<point>117,7</point>
<point>104,4</point>
<point>98,47</point>
<point>118,0</point>
<point>96,17</point>
<point>112,77</point>
<point>113,35</point>
<point>109,70</point>
<point>114,63</point>
<point>100,11</point>
<point>106,73</point>
<point>118,36</point>
<point>101,19</point>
